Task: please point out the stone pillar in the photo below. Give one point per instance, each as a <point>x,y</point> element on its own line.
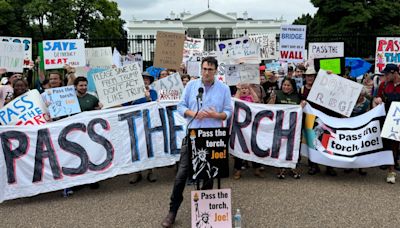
<point>201,32</point>
<point>218,32</point>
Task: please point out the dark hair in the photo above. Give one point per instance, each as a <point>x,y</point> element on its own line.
<point>301,67</point>
<point>185,76</point>
<point>210,60</point>
<point>79,79</point>
<point>56,72</point>
<point>22,80</point>
<point>292,82</point>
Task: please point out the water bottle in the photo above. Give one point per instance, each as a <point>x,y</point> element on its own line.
<point>237,220</point>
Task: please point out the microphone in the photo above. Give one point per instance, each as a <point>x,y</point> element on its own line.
<point>200,95</point>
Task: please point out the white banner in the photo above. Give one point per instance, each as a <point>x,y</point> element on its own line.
<point>12,57</point>
<point>239,50</point>
<point>100,57</point>
<point>27,109</point>
<point>267,44</point>
<point>346,142</point>
<point>335,93</point>
<point>242,73</point>
<point>27,42</point>
<point>169,88</point>
<point>292,43</point>
<point>57,53</point>
<point>119,85</point>
<point>266,134</point>
<point>391,128</point>
<point>88,147</point>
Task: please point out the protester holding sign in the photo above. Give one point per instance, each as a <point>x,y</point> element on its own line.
<point>20,86</point>
<point>6,91</point>
<point>388,92</point>
<point>87,102</point>
<point>205,103</point>
<point>270,85</point>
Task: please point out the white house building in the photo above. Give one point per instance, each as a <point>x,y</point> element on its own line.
<point>210,25</point>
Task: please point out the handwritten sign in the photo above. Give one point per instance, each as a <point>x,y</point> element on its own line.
<point>325,50</point>
<point>391,127</point>
<point>335,93</point>
<point>169,49</point>
<point>191,46</point>
<point>240,50</point>
<point>62,101</point>
<point>211,208</point>
<point>387,51</point>
<point>267,44</point>
<point>169,88</point>
<point>27,42</point>
<point>27,109</point>
<point>292,43</point>
<point>12,56</point>
<point>119,85</point>
<point>57,53</point>
<point>242,73</point>
<point>133,58</point>
<point>100,57</point>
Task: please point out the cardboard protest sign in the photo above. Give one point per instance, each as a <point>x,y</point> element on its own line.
<point>335,93</point>
<point>242,73</point>
<point>267,44</point>
<point>211,208</point>
<point>27,109</point>
<point>119,85</point>
<point>387,51</point>
<point>292,43</point>
<point>100,57</point>
<point>335,65</point>
<point>391,128</point>
<point>325,50</point>
<point>61,101</point>
<point>57,53</point>
<point>12,56</point>
<point>266,134</point>
<point>88,147</point>
<point>345,142</point>
<point>192,46</point>
<point>239,50</point>
<point>27,42</point>
<point>169,49</point>
<point>209,149</point>
<point>169,88</point>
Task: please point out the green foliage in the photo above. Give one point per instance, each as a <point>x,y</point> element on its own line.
<point>59,19</point>
<point>353,16</point>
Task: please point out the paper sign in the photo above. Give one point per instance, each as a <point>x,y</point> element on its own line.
<point>169,88</point>
<point>325,50</point>
<point>12,56</point>
<point>387,51</point>
<point>391,127</point>
<point>119,85</point>
<point>267,44</point>
<point>335,93</point>
<point>27,42</point>
<point>194,68</point>
<point>100,57</point>
<point>240,50</point>
<point>333,65</point>
<point>192,46</point>
<point>57,53</point>
<point>61,101</point>
<point>91,87</point>
<point>169,49</point>
<point>242,73</point>
<point>211,208</point>
<point>292,43</point>
<point>27,109</point>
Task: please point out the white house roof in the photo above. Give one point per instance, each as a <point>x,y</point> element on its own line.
<point>209,16</point>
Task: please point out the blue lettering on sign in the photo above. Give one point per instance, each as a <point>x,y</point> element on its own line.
<point>60,46</point>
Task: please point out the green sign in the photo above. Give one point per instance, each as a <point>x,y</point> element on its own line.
<point>333,65</point>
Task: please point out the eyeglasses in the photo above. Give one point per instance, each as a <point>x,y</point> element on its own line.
<point>208,69</point>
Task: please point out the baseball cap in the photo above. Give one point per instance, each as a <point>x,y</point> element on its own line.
<point>390,68</point>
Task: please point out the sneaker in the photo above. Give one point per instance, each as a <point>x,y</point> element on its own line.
<point>295,173</point>
<point>237,175</point>
<point>150,177</point>
<point>67,192</point>
<point>137,179</point>
<point>281,174</point>
<point>391,178</point>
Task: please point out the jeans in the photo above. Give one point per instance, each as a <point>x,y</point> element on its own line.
<point>181,177</point>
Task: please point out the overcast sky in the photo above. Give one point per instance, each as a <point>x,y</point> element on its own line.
<point>257,9</point>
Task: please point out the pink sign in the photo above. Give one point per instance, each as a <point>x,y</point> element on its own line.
<point>211,208</point>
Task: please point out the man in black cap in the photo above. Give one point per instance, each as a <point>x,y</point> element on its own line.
<point>388,92</point>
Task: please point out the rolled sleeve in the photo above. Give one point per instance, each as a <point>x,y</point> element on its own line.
<point>227,103</point>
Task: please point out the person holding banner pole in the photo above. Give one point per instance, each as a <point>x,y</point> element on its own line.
<point>205,103</point>
<point>388,92</point>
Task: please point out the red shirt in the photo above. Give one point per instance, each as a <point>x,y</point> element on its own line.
<point>388,92</point>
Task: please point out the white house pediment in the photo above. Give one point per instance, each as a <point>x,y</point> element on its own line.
<point>209,16</point>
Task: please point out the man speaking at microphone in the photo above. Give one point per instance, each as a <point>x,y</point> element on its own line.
<point>205,103</point>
